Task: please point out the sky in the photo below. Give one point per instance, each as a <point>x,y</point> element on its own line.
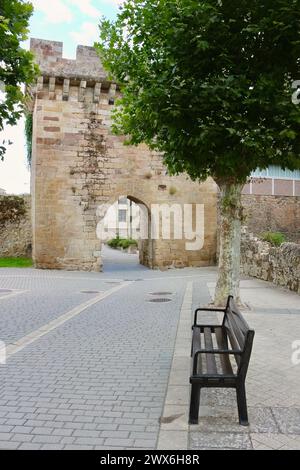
<point>73,22</point>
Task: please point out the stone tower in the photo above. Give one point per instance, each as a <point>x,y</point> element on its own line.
<point>78,164</point>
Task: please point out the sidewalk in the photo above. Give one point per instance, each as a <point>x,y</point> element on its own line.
<point>273,381</point>
<point>89,360</point>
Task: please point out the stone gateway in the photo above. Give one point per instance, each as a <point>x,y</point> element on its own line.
<point>79,165</point>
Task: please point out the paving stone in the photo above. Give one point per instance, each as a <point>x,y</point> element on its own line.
<point>175,440</point>
<point>78,447</point>
<point>118,442</point>
<point>215,440</point>
<point>52,447</point>
<point>29,446</point>
<point>15,422</point>
<point>22,437</point>
<point>145,443</point>
<point>42,430</point>
<point>90,441</point>
<point>115,434</point>
<point>9,445</point>
<point>5,436</point>
<point>42,439</point>
<point>86,433</point>
<point>288,419</point>
<point>5,428</point>
<point>262,420</point>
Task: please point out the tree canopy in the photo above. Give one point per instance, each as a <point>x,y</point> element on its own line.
<point>208,82</point>
<point>16,64</point>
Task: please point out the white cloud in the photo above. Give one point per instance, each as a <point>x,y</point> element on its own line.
<point>55,11</point>
<point>115,2</point>
<point>87,35</point>
<point>86,7</point>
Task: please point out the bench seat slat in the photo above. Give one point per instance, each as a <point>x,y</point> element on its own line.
<point>224,358</point>
<point>210,358</point>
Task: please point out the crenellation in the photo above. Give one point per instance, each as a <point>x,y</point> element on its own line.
<point>82,88</point>
<point>66,89</point>
<point>97,92</point>
<point>46,51</point>
<point>87,65</point>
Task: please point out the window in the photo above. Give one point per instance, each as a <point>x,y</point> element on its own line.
<point>122,215</point>
<point>123,200</point>
<point>274,171</point>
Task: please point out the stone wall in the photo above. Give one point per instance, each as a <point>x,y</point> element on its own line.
<point>78,165</point>
<point>15,226</point>
<point>280,265</point>
<point>273,213</point>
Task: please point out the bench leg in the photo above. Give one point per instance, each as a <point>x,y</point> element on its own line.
<point>242,404</point>
<point>194,404</point>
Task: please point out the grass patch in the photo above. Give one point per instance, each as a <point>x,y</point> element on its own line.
<point>15,262</point>
<point>275,238</point>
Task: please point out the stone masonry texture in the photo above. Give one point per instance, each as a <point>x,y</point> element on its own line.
<point>280,265</point>
<point>15,226</point>
<point>273,213</point>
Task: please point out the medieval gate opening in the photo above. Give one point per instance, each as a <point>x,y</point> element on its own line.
<point>78,165</point>
<point>127,219</point>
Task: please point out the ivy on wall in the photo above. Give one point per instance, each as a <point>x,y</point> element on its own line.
<point>28,136</point>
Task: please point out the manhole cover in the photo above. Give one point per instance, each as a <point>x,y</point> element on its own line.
<point>5,290</point>
<point>161,293</point>
<point>90,292</point>
<point>162,299</point>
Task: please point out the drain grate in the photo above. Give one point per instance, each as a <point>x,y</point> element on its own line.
<point>3,291</point>
<point>160,293</point>
<point>162,299</point>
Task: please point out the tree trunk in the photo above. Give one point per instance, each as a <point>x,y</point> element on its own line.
<point>228,282</point>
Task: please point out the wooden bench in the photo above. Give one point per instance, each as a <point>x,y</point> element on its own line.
<point>212,348</point>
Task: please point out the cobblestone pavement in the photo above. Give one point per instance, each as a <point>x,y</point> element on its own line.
<point>95,374</point>
<point>90,360</point>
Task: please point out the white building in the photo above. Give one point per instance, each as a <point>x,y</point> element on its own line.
<point>122,219</point>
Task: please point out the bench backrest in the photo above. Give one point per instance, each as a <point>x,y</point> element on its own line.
<point>239,333</point>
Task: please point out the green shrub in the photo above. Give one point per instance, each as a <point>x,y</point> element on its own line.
<point>114,243</point>
<point>121,242</point>
<point>126,242</point>
<point>275,238</point>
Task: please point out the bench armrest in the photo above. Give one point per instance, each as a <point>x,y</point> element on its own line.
<point>206,309</point>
